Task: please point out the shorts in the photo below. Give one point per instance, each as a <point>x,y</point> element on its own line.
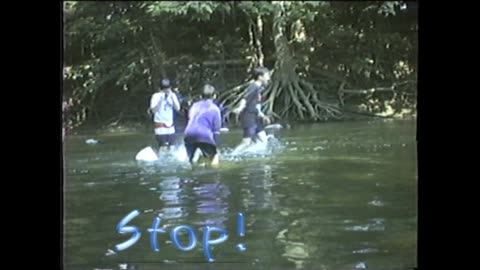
<point>165,140</point>
<point>208,150</point>
<point>251,124</point>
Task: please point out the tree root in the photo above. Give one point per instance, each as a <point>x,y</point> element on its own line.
<point>291,96</point>
<point>287,97</point>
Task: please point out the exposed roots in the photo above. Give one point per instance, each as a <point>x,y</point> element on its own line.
<point>292,98</point>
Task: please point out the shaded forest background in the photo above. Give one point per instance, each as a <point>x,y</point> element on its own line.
<point>330,60</point>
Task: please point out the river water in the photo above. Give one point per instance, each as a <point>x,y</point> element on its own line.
<point>324,196</point>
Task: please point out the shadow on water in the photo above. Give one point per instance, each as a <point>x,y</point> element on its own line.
<point>332,196</point>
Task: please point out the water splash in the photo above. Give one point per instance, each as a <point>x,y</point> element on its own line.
<point>262,150</point>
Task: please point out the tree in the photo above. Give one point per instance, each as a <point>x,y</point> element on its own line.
<point>329,58</point>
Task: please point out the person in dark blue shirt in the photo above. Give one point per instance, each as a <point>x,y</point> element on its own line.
<point>249,108</point>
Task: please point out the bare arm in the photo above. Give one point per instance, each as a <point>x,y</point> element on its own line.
<point>260,113</point>
<point>241,106</point>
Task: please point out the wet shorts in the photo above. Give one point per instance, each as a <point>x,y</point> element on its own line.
<point>165,140</point>
<point>208,150</point>
<point>251,124</point>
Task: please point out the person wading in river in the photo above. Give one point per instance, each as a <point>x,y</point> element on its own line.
<point>251,115</point>
<point>162,105</point>
<point>203,128</point>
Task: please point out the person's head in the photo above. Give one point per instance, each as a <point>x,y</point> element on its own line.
<point>208,91</point>
<point>165,84</point>
<point>262,75</point>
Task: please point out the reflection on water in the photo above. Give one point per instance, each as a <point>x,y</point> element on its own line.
<point>212,201</point>
<point>209,197</point>
<point>376,224</point>
<point>257,191</point>
<point>293,250</point>
<point>332,196</point>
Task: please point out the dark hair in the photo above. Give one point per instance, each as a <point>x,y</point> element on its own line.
<point>165,83</point>
<point>259,71</point>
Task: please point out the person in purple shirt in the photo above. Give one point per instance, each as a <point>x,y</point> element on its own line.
<point>204,123</point>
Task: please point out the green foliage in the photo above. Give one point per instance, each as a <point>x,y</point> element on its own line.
<point>196,10</point>
<point>124,48</point>
<point>255,8</point>
<point>305,10</point>
<point>390,7</point>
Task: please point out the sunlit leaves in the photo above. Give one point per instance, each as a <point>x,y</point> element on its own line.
<point>196,10</point>
<point>390,7</point>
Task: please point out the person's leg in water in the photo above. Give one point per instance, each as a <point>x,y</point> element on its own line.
<point>215,160</point>
<point>193,152</point>
<point>260,137</point>
<point>171,142</point>
<point>191,148</point>
<point>249,124</point>
<point>208,151</point>
<point>261,140</point>
<point>248,134</point>
<point>214,152</point>
<point>165,143</point>
<point>260,133</point>
<point>197,154</point>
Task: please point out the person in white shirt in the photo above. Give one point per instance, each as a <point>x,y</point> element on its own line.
<point>162,105</point>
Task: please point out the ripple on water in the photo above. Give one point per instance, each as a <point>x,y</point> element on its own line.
<point>376,203</point>
<point>377,224</point>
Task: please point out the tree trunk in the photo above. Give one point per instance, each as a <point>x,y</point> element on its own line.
<point>299,97</point>
<point>288,95</point>
<point>258,40</point>
<point>255,34</point>
<point>253,56</point>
